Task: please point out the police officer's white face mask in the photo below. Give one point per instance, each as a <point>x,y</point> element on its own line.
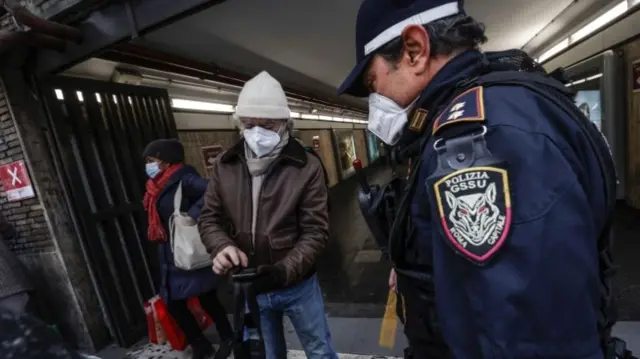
<point>386,118</point>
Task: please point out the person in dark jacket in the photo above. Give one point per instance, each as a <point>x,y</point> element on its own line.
<point>166,169</point>
<point>499,253</point>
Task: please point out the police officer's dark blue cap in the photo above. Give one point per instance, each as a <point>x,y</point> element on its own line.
<point>380,21</point>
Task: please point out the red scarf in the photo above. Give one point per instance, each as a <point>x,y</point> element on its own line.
<point>155,231</point>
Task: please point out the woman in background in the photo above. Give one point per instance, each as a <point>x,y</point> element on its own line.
<point>166,170</point>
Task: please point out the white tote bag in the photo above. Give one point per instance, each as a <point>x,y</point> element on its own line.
<point>188,251</point>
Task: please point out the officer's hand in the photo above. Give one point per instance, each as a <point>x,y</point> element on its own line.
<point>392,279</point>
<point>228,258</point>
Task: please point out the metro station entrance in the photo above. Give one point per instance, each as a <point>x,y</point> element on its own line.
<point>98,131</point>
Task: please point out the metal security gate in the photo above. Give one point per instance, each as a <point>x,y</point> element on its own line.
<point>99,130</point>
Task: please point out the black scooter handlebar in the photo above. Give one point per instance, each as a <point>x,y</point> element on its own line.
<point>244,274</point>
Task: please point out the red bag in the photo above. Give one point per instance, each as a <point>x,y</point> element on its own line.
<point>174,335</point>
<point>151,323</point>
<point>156,333</point>
<point>203,319</point>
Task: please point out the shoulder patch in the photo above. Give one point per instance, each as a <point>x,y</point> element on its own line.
<point>474,205</point>
<point>467,107</point>
<point>418,120</point>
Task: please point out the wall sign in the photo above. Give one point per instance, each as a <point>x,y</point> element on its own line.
<point>635,71</point>
<point>15,181</point>
<point>209,154</point>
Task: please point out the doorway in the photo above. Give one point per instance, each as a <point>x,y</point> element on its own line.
<point>99,130</point>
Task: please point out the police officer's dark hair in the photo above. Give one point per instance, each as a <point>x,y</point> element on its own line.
<point>450,35</point>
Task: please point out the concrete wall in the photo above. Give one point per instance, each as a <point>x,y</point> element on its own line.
<point>47,242</point>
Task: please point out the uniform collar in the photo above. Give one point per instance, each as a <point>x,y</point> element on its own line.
<point>466,65</point>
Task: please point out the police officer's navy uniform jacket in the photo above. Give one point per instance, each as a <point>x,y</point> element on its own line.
<point>513,245</point>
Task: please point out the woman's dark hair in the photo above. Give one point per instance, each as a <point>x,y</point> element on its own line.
<point>450,35</point>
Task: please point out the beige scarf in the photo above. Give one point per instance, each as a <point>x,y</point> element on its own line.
<point>257,168</point>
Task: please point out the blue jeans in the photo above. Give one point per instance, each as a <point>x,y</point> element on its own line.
<point>304,306</point>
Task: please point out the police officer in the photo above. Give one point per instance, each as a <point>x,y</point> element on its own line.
<point>510,197</point>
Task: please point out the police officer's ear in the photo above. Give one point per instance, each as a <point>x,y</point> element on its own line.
<point>416,47</point>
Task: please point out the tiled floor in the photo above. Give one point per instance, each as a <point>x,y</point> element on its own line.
<point>359,344</point>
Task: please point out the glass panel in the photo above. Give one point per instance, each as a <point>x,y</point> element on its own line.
<point>346,151</point>
<point>372,143</point>
<point>589,100</point>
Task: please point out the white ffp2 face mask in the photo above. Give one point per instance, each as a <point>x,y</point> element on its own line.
<point>260,140</point>
<point>386,118</point>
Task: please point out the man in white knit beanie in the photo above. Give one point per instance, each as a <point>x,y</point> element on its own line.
<point>274,195</point>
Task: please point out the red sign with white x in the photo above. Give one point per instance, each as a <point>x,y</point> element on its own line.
<point>15,181</point>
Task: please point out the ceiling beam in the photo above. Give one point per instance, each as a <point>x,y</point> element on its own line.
<point>561,26</point>
<point>145,57</point>
<point>43,33</point>
<point>116,22</point>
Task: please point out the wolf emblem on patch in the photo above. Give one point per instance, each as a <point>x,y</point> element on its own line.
<point>475,210</point>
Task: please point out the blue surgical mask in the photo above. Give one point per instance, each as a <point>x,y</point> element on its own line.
<point>152,169</point>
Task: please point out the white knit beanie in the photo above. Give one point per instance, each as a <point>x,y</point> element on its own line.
<point>263,97</point>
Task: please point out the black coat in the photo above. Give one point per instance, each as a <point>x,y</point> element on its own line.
<point>176,283</point>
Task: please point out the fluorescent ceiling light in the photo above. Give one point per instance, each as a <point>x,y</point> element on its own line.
<point>201,106</point>
<point>554,50</point>
<point>580,81</point>
<point>600,21</point>
<point>330,118</point>
<point>594,77</point>
<point>215,107</point>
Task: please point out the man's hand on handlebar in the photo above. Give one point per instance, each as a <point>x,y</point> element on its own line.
<point>228,258</point>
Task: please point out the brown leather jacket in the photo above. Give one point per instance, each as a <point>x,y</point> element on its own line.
<point>292,225</point>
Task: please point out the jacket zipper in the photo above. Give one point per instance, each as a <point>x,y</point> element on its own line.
<point>264,181</point>
<point>253,250</point>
